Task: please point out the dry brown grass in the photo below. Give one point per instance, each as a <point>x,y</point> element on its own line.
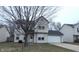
<point>17,47</point>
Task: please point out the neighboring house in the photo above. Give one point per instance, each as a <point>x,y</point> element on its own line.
<point>3,34</point>
<point>40,33</point>
<point>71,32</point>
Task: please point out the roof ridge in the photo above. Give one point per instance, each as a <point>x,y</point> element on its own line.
<point>41,17</point>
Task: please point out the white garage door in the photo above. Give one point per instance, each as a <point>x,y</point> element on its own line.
<point>53,39</point>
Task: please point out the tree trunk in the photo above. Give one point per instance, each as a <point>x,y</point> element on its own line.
<point>25,41</point>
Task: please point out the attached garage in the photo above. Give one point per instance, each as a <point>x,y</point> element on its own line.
<point>54,39</point>
<point>54,36</point>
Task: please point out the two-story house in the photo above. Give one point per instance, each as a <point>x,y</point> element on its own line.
<point>40,33</point>
<point>71,32</point>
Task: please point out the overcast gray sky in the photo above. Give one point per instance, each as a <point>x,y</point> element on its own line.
<point>68,15</point>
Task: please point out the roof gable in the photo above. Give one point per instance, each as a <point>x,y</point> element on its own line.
<point>76,24</point>
<point>43,18</point>
<point>70,25</point>
<point>32,23</point>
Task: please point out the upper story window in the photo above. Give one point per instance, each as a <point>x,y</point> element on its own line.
<point>41,27</point>
<point>17,38</point>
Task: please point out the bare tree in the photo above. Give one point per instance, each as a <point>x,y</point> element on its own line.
<point>55,26</point>
<point>25,14</point>
<point>58,25</point>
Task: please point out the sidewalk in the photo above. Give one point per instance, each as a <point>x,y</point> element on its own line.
<point>67,46</point>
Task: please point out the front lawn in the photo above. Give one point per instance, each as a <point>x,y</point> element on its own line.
<point>17,47</point>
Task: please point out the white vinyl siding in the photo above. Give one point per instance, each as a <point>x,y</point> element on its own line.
<point>68,33</point>
<point>37,36</point>
<point>3,34</point>
<point>52,39</point>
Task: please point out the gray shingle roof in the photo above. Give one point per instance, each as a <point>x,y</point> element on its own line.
<point>71,25</point>
<point>54,33</point>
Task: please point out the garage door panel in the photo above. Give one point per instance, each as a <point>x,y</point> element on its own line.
<point>53,39</point>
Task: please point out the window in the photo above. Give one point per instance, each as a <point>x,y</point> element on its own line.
<point>40,38</point>
<point>17,38</point>
<point>31,37</point>
<point>41,27</point>
<point>24,38</point>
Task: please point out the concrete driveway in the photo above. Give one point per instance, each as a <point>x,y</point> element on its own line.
<point>67,46</point>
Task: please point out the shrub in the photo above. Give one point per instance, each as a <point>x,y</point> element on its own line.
<point>20,41</point>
